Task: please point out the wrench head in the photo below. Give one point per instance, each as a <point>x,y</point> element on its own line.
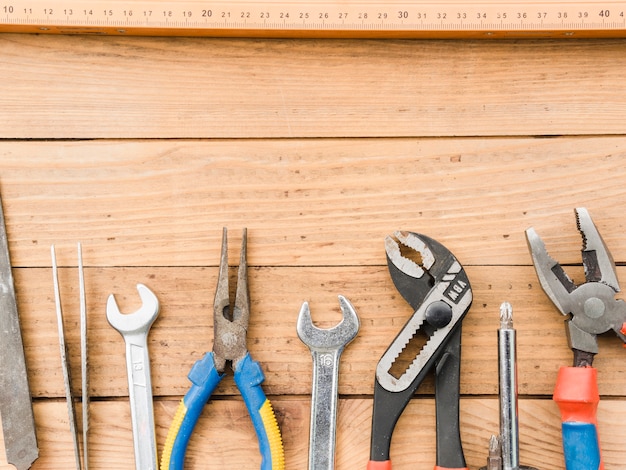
<point>333,338</point>
<point>139,321</point>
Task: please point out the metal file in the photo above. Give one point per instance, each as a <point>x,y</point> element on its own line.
<point>18,424</point>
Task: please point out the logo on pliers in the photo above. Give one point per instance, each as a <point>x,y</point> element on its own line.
<point>458,286</point>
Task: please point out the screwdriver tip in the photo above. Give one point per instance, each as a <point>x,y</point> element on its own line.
<point>494,446</point>
<point>506,315</point>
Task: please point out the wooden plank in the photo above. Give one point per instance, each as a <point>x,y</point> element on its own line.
<point>116,87</point>
<point>307,202</point>
<point>184,330</point>
<point>232,443</point>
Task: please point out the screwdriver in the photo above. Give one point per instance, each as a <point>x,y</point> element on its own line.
<point>504,449</point>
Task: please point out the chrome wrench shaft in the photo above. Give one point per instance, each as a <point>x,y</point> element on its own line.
<point>326,347</point>
<point>134,329</point>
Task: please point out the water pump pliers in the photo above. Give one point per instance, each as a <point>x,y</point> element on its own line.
<point>591,309</point>
<point>434,283</point>
<point>229,345</point>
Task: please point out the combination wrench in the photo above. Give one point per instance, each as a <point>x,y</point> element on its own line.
<point>134,329</point>
<point>326,346</point>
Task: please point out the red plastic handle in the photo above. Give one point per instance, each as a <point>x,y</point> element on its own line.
<point>374,465</point>
<point>577,396</point>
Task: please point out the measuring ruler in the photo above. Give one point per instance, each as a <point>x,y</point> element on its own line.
<point>297,18</point>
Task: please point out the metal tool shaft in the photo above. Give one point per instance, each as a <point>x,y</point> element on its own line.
<point>324,409</point>
<point>507,357</point>
<point>140,395</point>
<point>65,365</point>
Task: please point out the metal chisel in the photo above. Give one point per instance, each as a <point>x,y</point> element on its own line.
<point>18,424</point>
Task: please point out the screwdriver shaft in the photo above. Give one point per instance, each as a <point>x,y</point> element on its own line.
<point>507,368</point>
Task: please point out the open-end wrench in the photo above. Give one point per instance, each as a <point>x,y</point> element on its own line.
<point>326,346</point>
<point>134,329</point>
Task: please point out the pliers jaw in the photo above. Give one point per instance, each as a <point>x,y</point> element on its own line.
<point>230,325</point>
<point>434,283</point>
<point>591,306</point>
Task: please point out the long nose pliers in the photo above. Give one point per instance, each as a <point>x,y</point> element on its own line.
<point>435,285</point>
<point>229,345</point>
<point>591,309</point>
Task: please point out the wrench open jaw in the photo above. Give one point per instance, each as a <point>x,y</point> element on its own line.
<point>434,283</point>
<point>142,319</point>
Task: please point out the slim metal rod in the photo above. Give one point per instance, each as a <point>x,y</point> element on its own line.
<point>71,411</point>
<point>84,357</point>
<point>507,368</point>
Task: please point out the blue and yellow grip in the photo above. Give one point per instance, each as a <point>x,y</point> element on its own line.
<point>204,378</point>
<point>577,395</point>
<point>249,377</point>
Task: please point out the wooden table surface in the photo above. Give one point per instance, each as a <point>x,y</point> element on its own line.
<point>142,149</point>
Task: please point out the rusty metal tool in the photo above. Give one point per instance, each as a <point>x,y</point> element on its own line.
<point>230,328</point>
<point>18,423</point>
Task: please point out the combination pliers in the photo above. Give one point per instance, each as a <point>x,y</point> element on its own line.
<point>591,309</point>
<point>229,345</point>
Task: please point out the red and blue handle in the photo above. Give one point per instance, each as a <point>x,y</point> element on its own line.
<point>577,396</point>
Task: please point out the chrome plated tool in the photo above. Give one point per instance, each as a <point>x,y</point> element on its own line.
<point>504,449</point>
<point>16,410</point>
<point>71,401</point>
<point>134,328</point>
<point>326,346</point>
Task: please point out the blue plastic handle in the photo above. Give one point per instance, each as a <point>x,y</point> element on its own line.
<point>581,446</point>
<point>204,378</point>
<point>249,377</point>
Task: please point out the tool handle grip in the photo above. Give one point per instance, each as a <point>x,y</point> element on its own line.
<point>249,377</point>
<point>379,465</point>
<point>204,378</point>
<point>577,396</point>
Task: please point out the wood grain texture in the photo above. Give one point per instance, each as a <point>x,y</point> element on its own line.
<point>95,87</point>
<point>144,148</point>
<point>321,202</point>
<point>232,443</point>
<point>183,331</point>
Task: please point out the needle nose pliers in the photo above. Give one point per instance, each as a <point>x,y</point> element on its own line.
<point>591,309</point>
<point>436,286</point>
<point>229,345</point>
